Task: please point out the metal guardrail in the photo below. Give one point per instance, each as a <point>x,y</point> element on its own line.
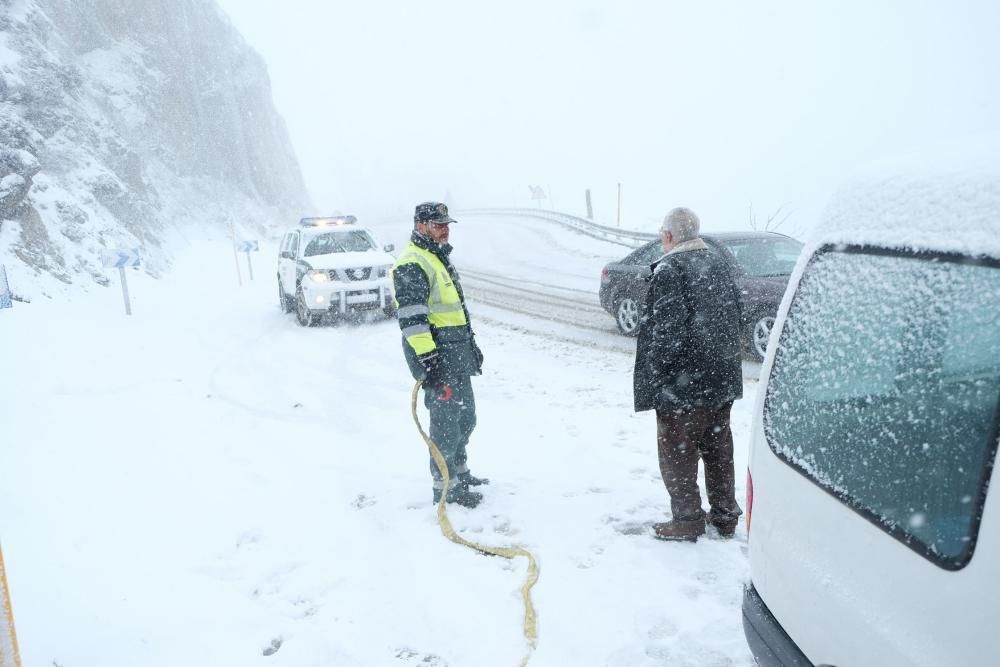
<point>625,237</point>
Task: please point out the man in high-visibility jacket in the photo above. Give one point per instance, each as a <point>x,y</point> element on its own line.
<point>439,346</point>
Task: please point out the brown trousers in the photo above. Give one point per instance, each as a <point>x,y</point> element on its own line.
<point>684,436</point>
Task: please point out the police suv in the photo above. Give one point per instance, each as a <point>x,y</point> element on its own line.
<point>333,266</point>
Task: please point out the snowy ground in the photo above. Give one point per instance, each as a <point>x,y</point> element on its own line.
<point>205,481</point>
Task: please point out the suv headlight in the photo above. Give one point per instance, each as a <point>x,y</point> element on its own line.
<point>318,276</point>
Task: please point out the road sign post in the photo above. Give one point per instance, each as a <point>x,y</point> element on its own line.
<point>6,296</point>
<point>618,216</point>
<point>128,304</point>
<point>236,254</point>
<point>249,247</point>
<point>119,259</point>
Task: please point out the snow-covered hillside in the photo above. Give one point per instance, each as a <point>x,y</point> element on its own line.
<point>120,121</point>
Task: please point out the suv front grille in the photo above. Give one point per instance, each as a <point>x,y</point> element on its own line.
<point>363,273</point>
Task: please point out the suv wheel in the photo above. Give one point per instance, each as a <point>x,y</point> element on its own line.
<point>627,316</point>
<point>302,312</point>
<point>760,332</point>
<point>286,303</point>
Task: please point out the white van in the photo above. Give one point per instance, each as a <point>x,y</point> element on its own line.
<point>874,538</point>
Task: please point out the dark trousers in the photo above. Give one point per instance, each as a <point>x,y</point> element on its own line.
<point>684,436</point>
<point>453,416</point>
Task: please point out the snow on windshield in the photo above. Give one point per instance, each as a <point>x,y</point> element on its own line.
<point>354,240</point>
<point>885,381</point>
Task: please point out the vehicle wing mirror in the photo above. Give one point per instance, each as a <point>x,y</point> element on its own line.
<point>389,247</point>
<point>286,254</point>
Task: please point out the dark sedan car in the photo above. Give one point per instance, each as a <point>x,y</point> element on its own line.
<point>761,262</point>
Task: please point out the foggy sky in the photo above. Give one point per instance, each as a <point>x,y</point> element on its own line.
<point>715,106</point>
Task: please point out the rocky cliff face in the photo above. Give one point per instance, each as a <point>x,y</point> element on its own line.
<point>121,120</point>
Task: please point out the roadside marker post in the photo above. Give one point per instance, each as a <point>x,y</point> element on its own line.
<point>9,656</point>
<point>119,259</point>
<point>249,247</point>
<point>236,253</point>
<point>618,216</point>
<point>6,296</point>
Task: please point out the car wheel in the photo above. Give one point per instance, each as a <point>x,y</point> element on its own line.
<point>627,316</point>
<point>760,333</point>
<point>286,305</point>
<point>302,313</point>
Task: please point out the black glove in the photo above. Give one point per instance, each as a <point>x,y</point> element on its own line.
<point>431,362</point>
<point>479,356</point>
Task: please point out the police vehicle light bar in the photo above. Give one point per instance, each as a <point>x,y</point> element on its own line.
<point>328,222</point>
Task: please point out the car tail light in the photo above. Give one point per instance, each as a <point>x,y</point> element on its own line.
<point>604,274</point>
<point>749,500</point>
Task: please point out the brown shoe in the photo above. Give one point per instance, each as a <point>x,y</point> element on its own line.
<point>679,530</point>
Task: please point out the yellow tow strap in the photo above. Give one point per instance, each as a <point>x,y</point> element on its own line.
<point>530,629</point>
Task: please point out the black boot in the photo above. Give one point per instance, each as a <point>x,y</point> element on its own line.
<point>726,528</point>
<point>460,495</point>
<point>467,479</point>
<point>724,521</point>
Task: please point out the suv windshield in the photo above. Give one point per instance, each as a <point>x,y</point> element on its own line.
<point>353,240</point>
<point>765,257</point>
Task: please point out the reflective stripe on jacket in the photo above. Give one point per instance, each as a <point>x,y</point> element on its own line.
<point>443,309</point>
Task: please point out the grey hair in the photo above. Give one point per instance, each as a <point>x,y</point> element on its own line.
<point>682,223</point>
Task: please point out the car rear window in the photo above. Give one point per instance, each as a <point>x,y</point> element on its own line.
<point>765,257</point>
<point>885,391</point>
<point>646,255</point>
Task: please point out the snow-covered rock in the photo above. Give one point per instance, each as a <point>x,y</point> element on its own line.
<point>121,121</point>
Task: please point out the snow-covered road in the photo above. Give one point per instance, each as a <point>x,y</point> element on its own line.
<point>206,482</point>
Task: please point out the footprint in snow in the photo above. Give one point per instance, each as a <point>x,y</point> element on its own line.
<point>634,527</point>
<point>587,560</point>
<point>362,501</point>
<point>273,647</point>
<point>501,525</point>
<point>411,657</point>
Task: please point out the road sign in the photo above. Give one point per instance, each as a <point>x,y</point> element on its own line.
<point>119,259</point>
<point>6,297</point>
<point>247,247</point>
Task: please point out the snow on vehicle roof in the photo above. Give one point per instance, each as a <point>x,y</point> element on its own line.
<point>944,202</point>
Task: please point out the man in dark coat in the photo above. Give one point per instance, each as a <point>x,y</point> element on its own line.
<point>688,369</point>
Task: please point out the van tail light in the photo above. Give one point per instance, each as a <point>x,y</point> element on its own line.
<point>604,274</point>
<point>749,500</point>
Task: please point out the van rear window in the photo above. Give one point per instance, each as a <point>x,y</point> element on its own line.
<point>885,391</point>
